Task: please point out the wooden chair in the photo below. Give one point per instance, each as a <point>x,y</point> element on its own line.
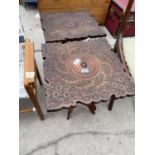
<point>119,45</point>
<point>119,49</point>
<point>31,73</point>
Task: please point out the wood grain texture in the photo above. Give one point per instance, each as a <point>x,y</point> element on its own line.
<point>64,87</point>
<point>29,65</point>
<point>30,79</point>
<point>98,8</point>
<point>69,25</point>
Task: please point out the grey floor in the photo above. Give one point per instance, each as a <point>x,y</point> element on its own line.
<point>105,133</point>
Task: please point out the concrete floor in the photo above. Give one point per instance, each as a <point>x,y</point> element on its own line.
<point>105,133</point>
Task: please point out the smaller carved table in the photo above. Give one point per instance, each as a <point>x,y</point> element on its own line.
<point>83,72</point>
<point>69,26</point>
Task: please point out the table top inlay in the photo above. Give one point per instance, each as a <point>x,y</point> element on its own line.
<point>69,25</point>
<point>83,71</point>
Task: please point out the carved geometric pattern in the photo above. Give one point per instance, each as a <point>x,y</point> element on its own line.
<point>83,71</point>
<point>69,25</point>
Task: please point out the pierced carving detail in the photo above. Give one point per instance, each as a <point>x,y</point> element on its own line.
<point>66,87</point>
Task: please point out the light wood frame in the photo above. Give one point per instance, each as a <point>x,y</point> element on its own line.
<point>31,73</point>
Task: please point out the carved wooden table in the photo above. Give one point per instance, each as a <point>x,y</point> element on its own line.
<point>83,72</point>
<point>61,27</point>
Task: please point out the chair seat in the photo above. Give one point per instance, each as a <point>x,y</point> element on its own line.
<point>129,53</point>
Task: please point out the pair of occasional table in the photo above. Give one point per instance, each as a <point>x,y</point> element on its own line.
<point>78,70</point>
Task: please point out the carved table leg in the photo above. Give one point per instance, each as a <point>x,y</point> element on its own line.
<point>92,107</point>
<point>70,110</point>
<point>111,102</point>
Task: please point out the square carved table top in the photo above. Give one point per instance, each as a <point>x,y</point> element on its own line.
<point>69,25</point>
<point>83,71</point>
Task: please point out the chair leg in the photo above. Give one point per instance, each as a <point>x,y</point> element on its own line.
<point>35,102</point>
<point>70,110</point>
<point>92,107</point>
<point>38,74</point>
<point>111,103</point>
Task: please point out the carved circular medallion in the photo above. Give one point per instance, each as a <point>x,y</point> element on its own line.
<point>70,24</point>
<point>84,65</point>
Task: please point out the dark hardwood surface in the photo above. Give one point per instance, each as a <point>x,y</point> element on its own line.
<point>83,72</point>
<point>58,27</point>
